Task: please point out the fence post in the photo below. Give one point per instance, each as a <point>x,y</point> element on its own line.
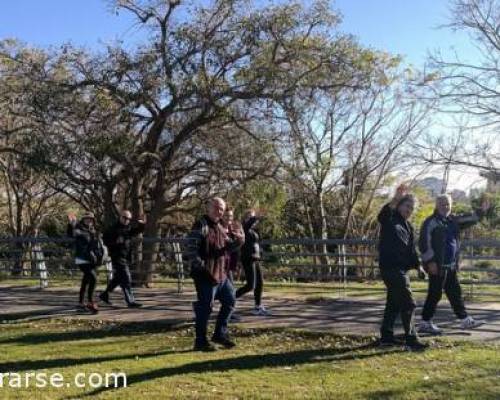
<point>342,272</point>
<point>180,266</point>
<point>41,266</point>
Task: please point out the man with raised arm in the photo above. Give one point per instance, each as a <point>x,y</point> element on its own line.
<point>440,251</point>
<point>118,239</point>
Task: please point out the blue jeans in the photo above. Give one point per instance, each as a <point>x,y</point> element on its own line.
<point>206,293</point>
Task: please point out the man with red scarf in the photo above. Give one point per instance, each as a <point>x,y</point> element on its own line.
<point>208,251</point>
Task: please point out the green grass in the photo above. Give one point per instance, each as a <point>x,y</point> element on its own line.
<point>267,364</point>
<point>304,291</point>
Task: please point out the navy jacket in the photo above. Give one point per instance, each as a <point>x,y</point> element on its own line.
<point>439,237</point>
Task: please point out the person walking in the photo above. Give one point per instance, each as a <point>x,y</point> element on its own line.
<point>250,259</point>
<point>89,252</point>
<point>118,239</point>
<point>397,255</point>
<point>209,246</point>
<point>440,250</point>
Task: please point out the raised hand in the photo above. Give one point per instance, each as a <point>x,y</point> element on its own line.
<point>401,191</point>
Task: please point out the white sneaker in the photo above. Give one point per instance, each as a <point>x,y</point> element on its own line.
<point>469,323</point>
<point>261,310</point>
<point>429,327</point>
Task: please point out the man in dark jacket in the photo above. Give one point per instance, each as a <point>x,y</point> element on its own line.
<point>118,239</point>
<point>397,255</point>
<point>440,248</point>
<point>208,250</point>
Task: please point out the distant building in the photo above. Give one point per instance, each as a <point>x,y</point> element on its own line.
<point>434,187</point>
<point>458,195</point>
<point>431,184</point>
<point>493,180</point>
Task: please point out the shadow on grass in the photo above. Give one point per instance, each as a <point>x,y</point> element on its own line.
<point>48,313</point>
<point>254,362</point>
<point>105,331</point>
<point>33,365</point>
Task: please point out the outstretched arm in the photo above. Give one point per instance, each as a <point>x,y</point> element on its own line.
<point>465,221</point>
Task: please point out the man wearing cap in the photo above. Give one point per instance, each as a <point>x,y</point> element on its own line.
<point>118,239</point>
<point>208,250</point>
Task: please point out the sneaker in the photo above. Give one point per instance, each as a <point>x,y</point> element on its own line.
<point>104,297</point>
<point>224,341</point>
<point>134,305</point>
<point>429,327</point>
<point>415,345</point>
<point>204,346</point>
<point>469,323</point>
<point>260,310</point>
<point>81,307</point>
<point>92,307</point>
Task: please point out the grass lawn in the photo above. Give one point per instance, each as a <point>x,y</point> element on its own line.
<point>303,291</point>
<point>267,364</point>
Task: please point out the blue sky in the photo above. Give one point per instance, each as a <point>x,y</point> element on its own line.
<point>405,27</point>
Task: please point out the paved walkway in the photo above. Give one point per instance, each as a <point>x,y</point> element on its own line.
<point>354,316</point>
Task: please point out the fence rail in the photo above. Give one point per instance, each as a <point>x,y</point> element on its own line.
<point>285,260</point>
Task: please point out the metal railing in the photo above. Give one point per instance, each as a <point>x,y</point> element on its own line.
<point>290,261</point>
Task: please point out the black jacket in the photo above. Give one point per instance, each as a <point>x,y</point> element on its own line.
<point>251,247</point>
<point>397,241</point>
<point>118,239</point>
<point>87,246</point>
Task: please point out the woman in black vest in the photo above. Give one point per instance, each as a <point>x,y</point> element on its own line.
<point>250,259</point>
<point>397,256</point>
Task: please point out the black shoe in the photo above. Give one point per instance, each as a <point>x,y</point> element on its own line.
<point>104,297</point>
<point>134,305</point>
<point>224,341</point>
<point>415,345</point>
<point>203,346</point>
<point>389,342</point>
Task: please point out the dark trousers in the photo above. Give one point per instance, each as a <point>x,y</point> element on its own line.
<point>399,302</point>
<point>446,280</point>
<point>254,280</point>
<point>89,281</point>
<point>206,293</point>
<point>122,278</point>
